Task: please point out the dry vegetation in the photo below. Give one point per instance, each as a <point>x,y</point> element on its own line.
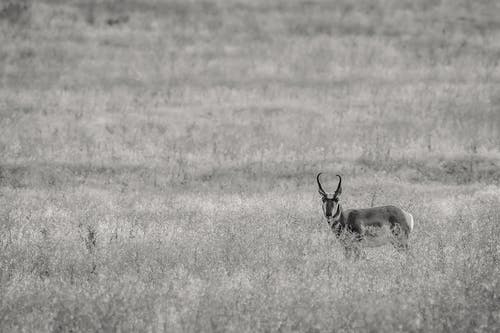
<point>157,164</point>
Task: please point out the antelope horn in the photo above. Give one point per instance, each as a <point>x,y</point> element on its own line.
<point>338,191</point>
<point>321,191</point>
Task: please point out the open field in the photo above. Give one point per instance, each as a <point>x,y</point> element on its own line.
<point>157,163</point>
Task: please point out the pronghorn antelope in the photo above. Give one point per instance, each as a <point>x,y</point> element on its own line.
<point>367,227</point>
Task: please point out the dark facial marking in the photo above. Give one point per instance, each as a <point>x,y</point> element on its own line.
<point>329,208</point>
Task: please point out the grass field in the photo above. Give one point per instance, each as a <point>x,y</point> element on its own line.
<point>157,164</point>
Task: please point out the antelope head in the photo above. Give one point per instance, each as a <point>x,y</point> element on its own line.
<point>331,207</point>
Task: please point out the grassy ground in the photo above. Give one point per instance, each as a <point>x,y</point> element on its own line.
<point>157,163</point>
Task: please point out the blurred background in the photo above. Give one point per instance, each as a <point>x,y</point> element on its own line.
<point>170,92</point>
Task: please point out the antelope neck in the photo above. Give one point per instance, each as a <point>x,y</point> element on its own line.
<point>337,221</point>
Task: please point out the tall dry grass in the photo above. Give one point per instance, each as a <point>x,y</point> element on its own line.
<point>211,261</point>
